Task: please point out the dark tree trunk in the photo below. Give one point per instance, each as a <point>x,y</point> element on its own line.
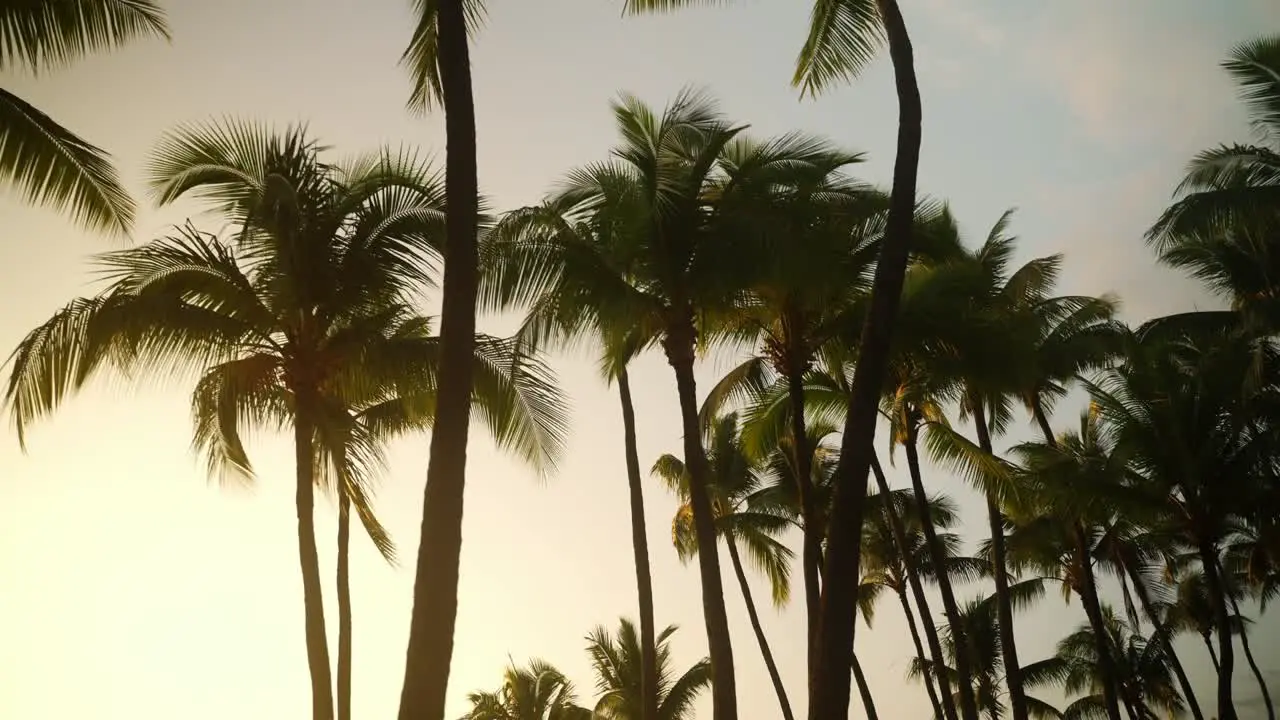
<point>811,553</point>
<point>344,606</point>
<point>312,592</point>
<point>640,548</point>
<point>435,588</point>
<point>1188,693</point>
<point>1248,656</point>
<point>943,707</point>
<point>1000,570</point>
<point>1213,654</point>
<point>724,696</point>
<point>964,668</point>
<point>829,681</point>
<point>1089,592</point>
<point>1226,651</point>
<point>864,690</point>
<point>758,629</point>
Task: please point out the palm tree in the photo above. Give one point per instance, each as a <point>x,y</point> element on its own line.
<point>298,311</point>
<point>536,692</point>
<point>517,399</point>
<point>439,60</point>
<point>843,37</point>
<point>746,514</point>
<point>1138,669</point>
<point>893,557</point>
<point>48,163</point>
<point>1225,220</point>
<point>617,661</point>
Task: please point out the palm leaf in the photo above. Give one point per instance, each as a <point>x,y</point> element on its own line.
<point>38,34</point>
<point>422,57</point>
<point>844,36</point>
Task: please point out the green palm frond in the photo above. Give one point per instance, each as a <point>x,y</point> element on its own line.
<point>230,399</point>
<point>769,556</point>
<point>844,36</point>
<point>991,475</point>
<point>50,165</point>
<point>1255,66</point>
<point>422,57</point>
<point>223,161</point>
<point>37,35</point>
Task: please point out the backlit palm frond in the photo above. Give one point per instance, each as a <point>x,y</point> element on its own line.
<point>1255,66</point>
<point>422,57</point>
<point>844,36</point>
<point>223,161</point>
<point>52,166</point>
<point>766,553</point>
<point>519,400</point>
<point>744,382</point>
<point>350,459</point>
<point>231,398</point>
<point>36,35</point>
<point>678,702</point>
<point>959,455</point>
<point>671,471</point>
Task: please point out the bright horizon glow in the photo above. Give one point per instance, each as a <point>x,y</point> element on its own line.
<point>135,589</point>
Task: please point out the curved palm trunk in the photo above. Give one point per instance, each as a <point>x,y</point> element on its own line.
<point>864,690</point>
<point>435,588</point>
<point>724,695</point>
<point>769,663</point>
<point>811,552</point>
<point>312,593</point>
<point>344,607</point>
<point>829,681</point>
<point>1188,693</point>
<point>1213,654</point>
<point>944,708</point>
<point>1000,569</point>
<point>640,548</point>
<point>964,669</point>
<point>1226,653</point>
<point>1089,593</point>
<point>1248,656</point>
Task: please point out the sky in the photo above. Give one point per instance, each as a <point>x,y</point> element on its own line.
<point>136,588</point>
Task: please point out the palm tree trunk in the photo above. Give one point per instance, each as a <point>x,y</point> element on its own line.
<point>344,606</point>
<point>1248,656</point>
<point>724,696</point>
<point>312,593</point>
<point>1188,693</point>
<point>829,682</point>
<point>811,552</point>
<point>1213,654</point>
<point>1089,593</point>
<point>435,588</point>
<point>1226,653</point>
<point>640,549</point>
<point>864,690</point>
<point>944,708</point>
<point>1000,570</point>
<point>769,663</point>
<point>964,670</point>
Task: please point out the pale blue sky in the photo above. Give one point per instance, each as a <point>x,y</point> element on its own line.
<point>132,581</point>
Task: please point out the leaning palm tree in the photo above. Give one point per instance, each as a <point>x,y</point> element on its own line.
<point>536,692</point>
<point>439,61</point>
<point>295,312</point>
<point>844,36</point>
<point>616,659</point>
<point>748,517</point>
<point>1138,668</point>
<point>46,162</point>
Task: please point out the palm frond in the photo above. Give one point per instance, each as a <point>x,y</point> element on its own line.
<point>422,57</point>
<point>844,36</point>
<point>38,35</point>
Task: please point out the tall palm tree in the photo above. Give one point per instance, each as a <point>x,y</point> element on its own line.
<point>46,162</point>
<point>617,662</point>
<point>536,692</point>
<point>1138,669</point>
<point>439,60</point>
<point>844,36</point>
<point>517,399</point>
<point>748,517</point>
<point>299,310</point>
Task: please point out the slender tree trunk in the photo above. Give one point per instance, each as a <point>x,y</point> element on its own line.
<point>312,592</point>
<point>964,668</point>
<point>944,707</point>
<point>1226,653</point>
<point>435,588</point>
<point>1089,592</point>
<point>1248,656</point>
<point>1000,570</point>
<point>939,711</point>
<point>1188,693</point>
<point>640,548</point>
<point>758,629</point>
<point>724,696</point>
<point>344,606</point>
<point>1213,654</point>
<point>864,690</point>
<point>811,552</point>
<point>829,682</point>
